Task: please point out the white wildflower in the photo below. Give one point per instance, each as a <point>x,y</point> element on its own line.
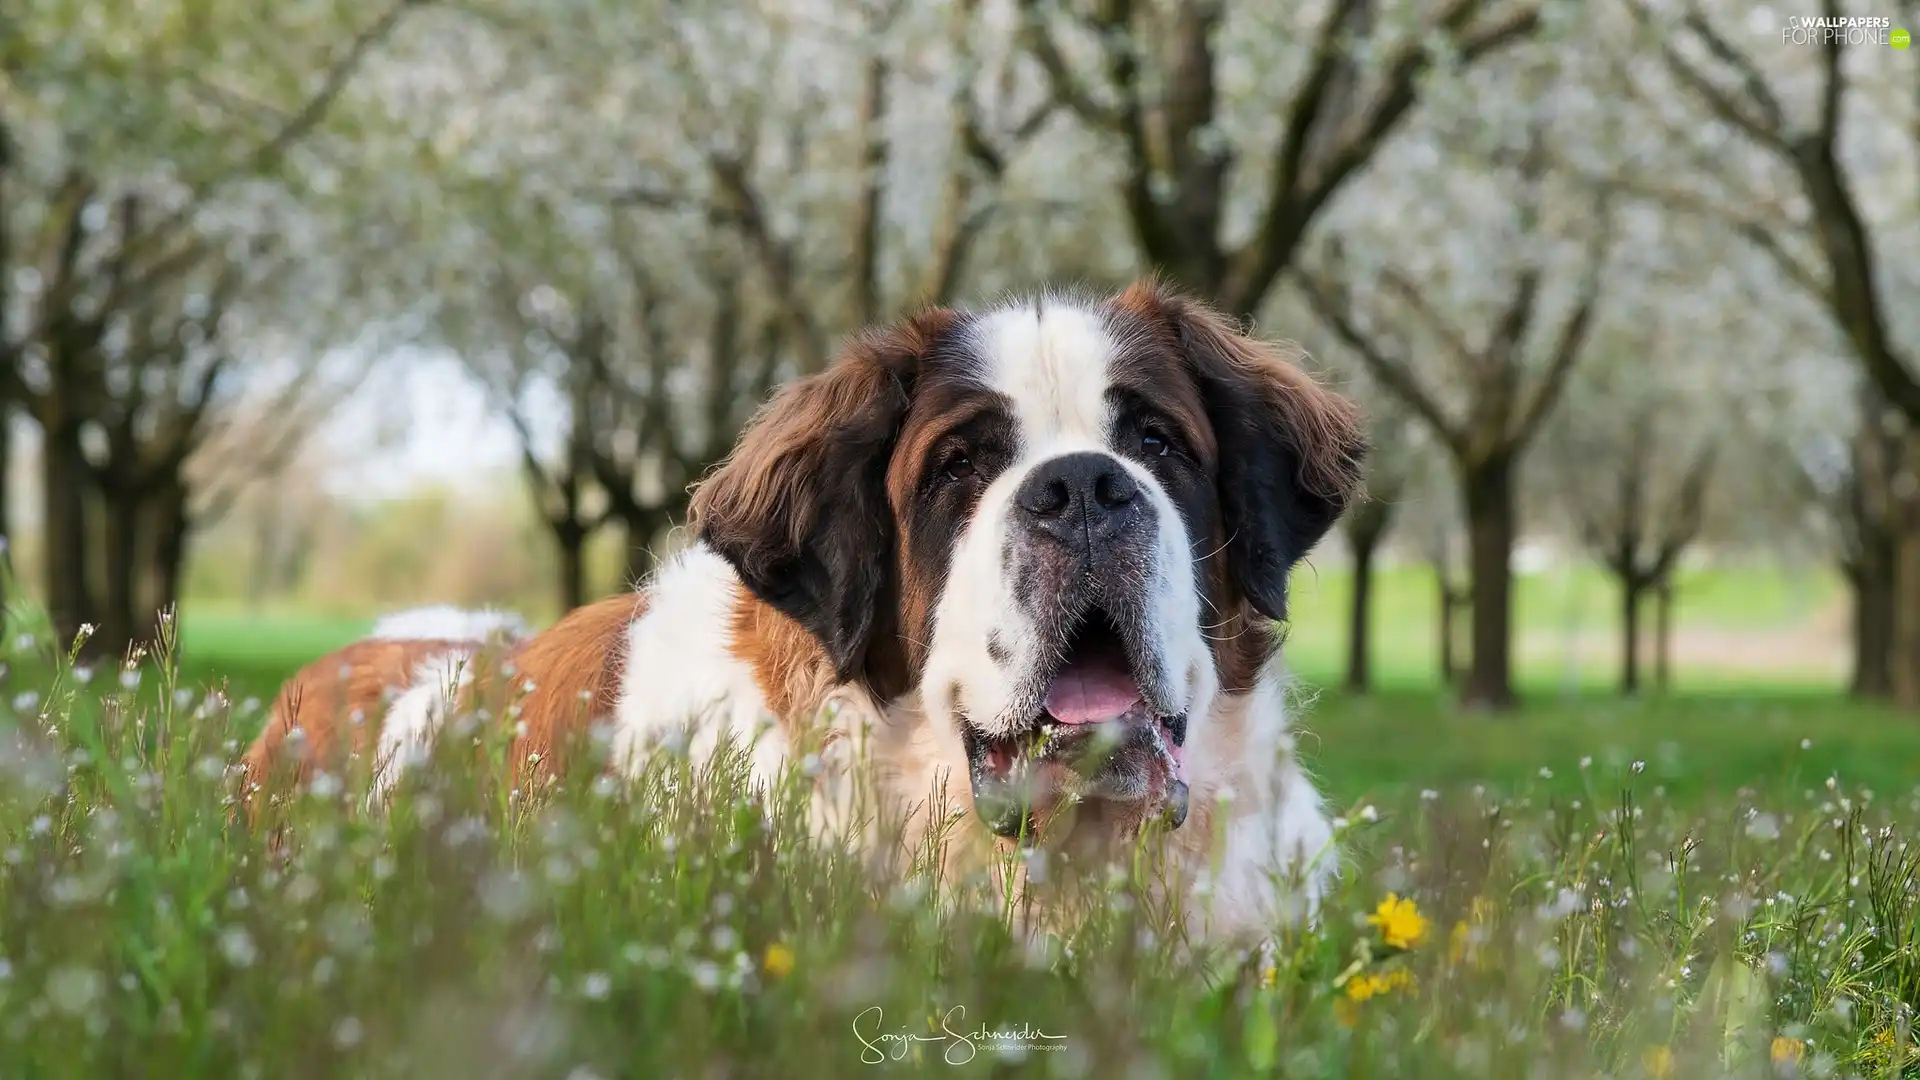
<point>237,946</point>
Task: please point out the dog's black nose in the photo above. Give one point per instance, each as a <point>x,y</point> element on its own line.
<point>1084,500</point>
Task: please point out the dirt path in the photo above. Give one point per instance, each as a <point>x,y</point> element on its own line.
<point>1799,651</point>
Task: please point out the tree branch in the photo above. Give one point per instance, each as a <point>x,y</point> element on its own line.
<point>1161,240</point>
<point>1292,203</point>
<point>1392,371</point>
<point>1570,342</point>
<point>1725,211</point>
<point>332,84</point>
<point>1396,283</point>
<point>868,216</point>
<point>1833,85</point>
<point>1722,106</point>
<point>1690,513</point>
<point>1751,78</point>
<point>775,256</point>
<point>1330,57</point>
<point>166,230</point>
<point>1067,88</point>
<point>962,221</point>
<point>12,387</point>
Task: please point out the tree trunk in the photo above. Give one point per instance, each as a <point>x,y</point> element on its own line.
<point>1872,584</point>
<point>1366,526</point>
<point>1663,635</point>
<point>1449,666</point>
<point>1630,589</point>
<point>6,498</point>
<point>169,533</point>
<point>120,558</point>
<point>641,525</point>
<point>64,476</point>
<point>1905,653</point>
<point>571,539</point>
<point>1359,622</point>
<point>1491,528</point>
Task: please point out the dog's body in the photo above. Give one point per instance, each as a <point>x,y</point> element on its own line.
<point>335,704</point>
<point>1039,548</point>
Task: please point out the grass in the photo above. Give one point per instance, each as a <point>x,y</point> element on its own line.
<point>1605,921</point>
<point>1713,883</point>
<point>1694,746</point>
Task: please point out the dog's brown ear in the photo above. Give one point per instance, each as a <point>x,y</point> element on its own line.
<point>1291,451</point>
<point>800,510</point>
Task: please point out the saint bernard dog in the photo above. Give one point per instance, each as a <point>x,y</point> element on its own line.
<point>1040,550</point>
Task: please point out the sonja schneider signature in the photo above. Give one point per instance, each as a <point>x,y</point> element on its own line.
<point>878,1046</point>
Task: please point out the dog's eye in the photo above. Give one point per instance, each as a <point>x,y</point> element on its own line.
<point>1154,443</point>
<point>958,465</point>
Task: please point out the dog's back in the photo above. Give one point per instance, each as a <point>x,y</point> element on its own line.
<point>332,708</point>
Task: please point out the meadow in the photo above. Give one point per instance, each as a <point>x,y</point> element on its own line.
<point>1711,882</point>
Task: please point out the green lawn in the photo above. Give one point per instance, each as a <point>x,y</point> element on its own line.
<point>1694,745</point>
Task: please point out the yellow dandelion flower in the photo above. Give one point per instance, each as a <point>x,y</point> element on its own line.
<point>1402,981</point>
<point>1884,1052</point>
<point>778,962</point>
<point>1658,1061</point>
<point>1787,1051</point>
<point>1399,921</point>
<point>1367,987</point>
<point>1270,977</point>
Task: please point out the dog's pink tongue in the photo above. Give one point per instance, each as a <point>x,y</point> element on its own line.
<point>1087,693</point>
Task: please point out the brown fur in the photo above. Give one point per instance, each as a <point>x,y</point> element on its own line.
<point>575,667</point>
<point>345,690</point>
<point>764,479</point>
<point>793,487</point>
<point>788,664</point>
<point>1326,427</point>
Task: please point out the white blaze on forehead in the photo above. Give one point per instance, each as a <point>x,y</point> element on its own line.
<point>1049,357</point>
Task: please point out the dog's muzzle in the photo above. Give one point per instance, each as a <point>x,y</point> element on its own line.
<point>1094,737</point>
<point>1094,722</point>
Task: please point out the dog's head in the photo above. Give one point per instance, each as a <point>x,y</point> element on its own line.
<point>1066,523</point>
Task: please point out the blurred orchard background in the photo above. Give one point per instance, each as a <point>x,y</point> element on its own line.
<point>318,308</point>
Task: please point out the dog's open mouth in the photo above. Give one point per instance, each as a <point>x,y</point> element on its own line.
<point>1094,737</point>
